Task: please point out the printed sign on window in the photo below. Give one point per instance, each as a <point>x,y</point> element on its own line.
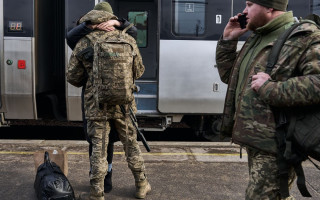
<point>189,7</point>
<point>218,19</point>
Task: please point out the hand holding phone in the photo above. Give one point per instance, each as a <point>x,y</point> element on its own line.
<point>242,19</point>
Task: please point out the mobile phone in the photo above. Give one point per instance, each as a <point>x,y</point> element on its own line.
<point>242,19</point>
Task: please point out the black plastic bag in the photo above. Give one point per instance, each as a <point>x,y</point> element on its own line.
<point>51,183</point>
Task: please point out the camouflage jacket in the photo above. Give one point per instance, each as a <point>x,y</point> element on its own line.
<point>295,81</point>
<point>79,70</point>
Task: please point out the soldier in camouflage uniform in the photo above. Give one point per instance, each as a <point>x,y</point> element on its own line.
<point>294,81</point>
<point>73,36</point>
<point>100,118</point>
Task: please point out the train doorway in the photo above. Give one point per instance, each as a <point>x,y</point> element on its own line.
<point>50,58</point>
<point>143,14</point>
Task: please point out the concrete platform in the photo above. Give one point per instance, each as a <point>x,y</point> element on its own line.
<point>176,170</point>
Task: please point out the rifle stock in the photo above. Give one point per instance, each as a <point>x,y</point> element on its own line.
<point>134,122</point>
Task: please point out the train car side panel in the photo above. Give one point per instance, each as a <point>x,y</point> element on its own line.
<point>190,84</point>
<point>19,96</point>
<point>18,65</point>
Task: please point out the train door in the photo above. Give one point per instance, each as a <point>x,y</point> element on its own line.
<point>74,10</point>
<point>50,58</point>
<point>144,15</point>
<point>33,65</point>
<point>17,65</point>
<point>34,53</point>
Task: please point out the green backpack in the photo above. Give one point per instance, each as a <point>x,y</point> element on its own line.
<point>113,68</point>
<point>298,129</point>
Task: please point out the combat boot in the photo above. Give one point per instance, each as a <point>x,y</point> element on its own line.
<point>108,182</point>
<point>142,188</point>
<point>89,196</point>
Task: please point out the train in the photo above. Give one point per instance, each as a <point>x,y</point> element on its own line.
<point>177,39</point>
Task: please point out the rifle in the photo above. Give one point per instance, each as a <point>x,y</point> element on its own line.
<point>134,122</point>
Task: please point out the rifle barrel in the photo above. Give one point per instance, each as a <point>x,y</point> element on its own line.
<point>134,120</point>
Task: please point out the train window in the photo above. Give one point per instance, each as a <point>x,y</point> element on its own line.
<point>140,20</point>
<point>316,7</point>
<point>189,17</point>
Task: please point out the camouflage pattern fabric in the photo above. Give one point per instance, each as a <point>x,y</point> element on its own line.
<point>79,69</point>
<point>112,68</point>
<point>97,17</point>
<point>98,132</point>
<point>264,182</point>
<point>128,137</point>
<point>79,72</point>
<point>295,81</point>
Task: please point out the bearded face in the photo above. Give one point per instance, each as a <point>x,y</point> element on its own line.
<point>256,16</point>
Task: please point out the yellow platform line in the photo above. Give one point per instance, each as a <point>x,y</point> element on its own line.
<point>122,153</point>
<point>16,152</point>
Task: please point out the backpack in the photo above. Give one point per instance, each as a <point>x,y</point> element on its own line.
<point>113,57</point>
<point>298,129</point>
<point>51,183</point>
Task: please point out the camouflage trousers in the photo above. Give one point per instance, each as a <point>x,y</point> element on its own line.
<point>98,132</point>
<point>264,182</point>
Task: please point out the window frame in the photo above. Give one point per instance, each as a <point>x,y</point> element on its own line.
<point>146,28</point>
<point>175,20</point>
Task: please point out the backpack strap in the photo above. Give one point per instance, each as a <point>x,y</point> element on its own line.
<point>284,145</point>
<point>274,55</point>
<point>282,164</point>
<point>301,180</point>
<point>315,18</point>
<point>127,28</point>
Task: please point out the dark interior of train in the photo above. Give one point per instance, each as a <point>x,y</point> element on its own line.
<point>50,58</point>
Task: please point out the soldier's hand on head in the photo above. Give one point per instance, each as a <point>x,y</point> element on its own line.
<point>258,80</point>
<point>108,25</point>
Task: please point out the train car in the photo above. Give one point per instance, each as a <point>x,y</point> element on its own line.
<point>177,40</point>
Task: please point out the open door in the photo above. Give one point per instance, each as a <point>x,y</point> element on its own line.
<point>144,15</point>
